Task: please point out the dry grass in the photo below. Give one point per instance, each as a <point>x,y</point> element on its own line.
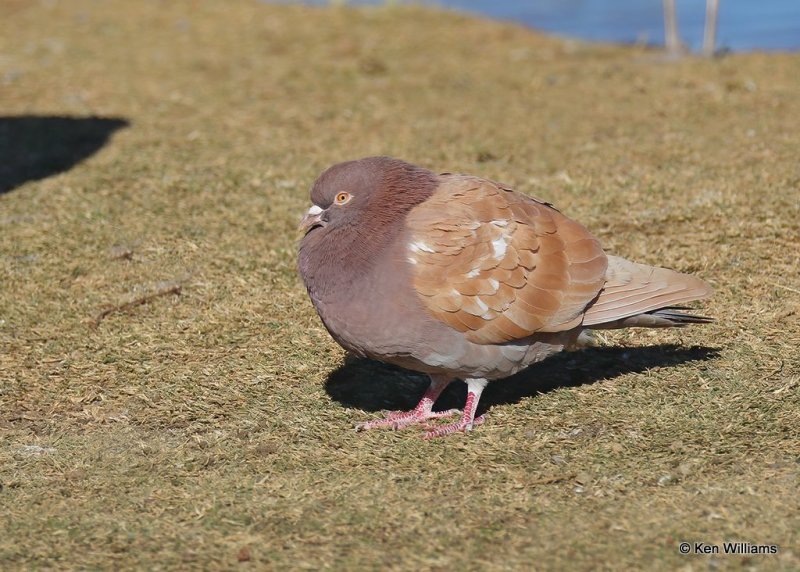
<point>212,427</point>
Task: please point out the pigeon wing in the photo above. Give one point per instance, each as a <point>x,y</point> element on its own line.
<point>498,265</point>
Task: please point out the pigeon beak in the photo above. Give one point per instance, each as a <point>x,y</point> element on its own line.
<point>312,218</point>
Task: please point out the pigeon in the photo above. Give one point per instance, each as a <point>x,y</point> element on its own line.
<point>460,277</point>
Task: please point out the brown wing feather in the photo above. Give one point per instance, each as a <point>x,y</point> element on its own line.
<point>633,289</point>
<point>498,265</point>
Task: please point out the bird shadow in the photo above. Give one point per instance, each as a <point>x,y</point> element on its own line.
<point>33,147</point>
<point>373,386</point>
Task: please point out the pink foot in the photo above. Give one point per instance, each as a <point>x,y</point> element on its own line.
<point>468,419</point>
<point>402,419</point>
<point>462,425</point>
<point>422,412</point>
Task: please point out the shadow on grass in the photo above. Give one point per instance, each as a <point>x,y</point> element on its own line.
<point>373,386</point>
<point>33,147</point>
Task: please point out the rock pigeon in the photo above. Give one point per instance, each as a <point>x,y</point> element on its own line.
<point>461,277</point>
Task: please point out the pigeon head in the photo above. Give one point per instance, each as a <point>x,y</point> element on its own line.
<point>365,194</point>
<point>359,209</point>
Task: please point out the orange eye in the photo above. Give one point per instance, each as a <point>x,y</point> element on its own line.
<point>342,198</point>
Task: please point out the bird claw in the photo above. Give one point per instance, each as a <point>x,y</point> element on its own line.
<point>463,425</point>
<point>397,420</point>
<point>422,413</point>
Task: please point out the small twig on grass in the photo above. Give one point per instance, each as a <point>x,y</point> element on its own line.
<point>164,291</point>
<point>786,387</point>
<point>552,479</point>
<point>784,287</point>
<point>121,253</point>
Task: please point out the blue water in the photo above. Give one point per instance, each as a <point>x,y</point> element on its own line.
<point>743,25</point>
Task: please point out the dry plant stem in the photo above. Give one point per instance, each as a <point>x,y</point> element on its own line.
<point>174,289</point>
<point>553,479</point>
<point>795,290</point>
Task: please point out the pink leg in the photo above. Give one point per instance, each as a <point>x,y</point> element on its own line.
<point>422,412</point>
<point>468,419</point>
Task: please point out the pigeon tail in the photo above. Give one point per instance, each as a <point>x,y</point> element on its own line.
<point>637,295</point>
<point>669,317</point>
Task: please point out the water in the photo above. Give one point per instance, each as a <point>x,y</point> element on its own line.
<point>743,25</point>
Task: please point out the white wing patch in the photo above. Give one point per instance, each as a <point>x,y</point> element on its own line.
<point>499,246</point>
<point>419,246</point>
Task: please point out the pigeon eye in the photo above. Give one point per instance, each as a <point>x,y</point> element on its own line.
<point>342,198</point>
